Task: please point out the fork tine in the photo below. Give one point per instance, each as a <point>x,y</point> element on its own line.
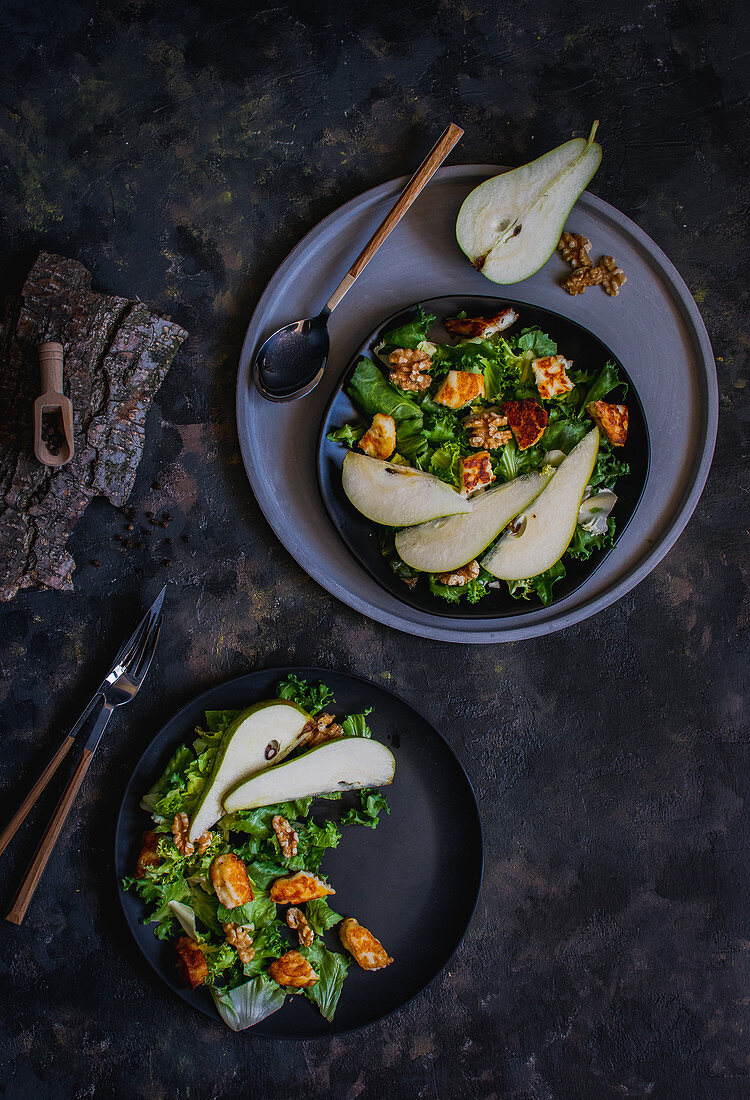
<point>147,655</point>
<point>129,647</point>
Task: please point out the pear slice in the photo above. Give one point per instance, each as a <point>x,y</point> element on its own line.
<point>510,225</point>
<point>397,496</point>
<point>344,765</point>
<point>450,542</point>
<point>551,520</point>
<point>260,736</point>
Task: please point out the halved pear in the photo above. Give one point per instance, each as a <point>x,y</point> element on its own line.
<point>510,225</point>
<point>450,542</point>
<point>397,496</point>
<point>345,765</point>
<point>550,521</point>
<point>259,737</point>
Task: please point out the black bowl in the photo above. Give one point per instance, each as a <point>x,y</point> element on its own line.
<point>360,535</point>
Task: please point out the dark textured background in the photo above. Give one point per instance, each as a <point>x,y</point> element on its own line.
<point>180,150</point>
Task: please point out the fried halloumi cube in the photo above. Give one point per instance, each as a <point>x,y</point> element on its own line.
<point>527,420</point>
<point>191,962</point>
<point>148,855</point>
<point>229,876</point>
<point>482,326</point>
<point>379,441</point>
<point>298,888</point>
<point>368,951</point>
<point>551,376</point>
<point>610,419</point>
<point>293,969</point>
<point>459,387</point>
<point>476,472</point>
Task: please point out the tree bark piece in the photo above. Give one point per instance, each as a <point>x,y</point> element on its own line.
<point>117,353</point>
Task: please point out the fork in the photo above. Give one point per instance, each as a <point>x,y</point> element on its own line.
<point>118,688</point>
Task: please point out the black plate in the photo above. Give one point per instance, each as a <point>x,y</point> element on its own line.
<point>361,535</point>
<point>393,878</point>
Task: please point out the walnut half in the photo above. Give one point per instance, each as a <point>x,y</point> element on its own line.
<point>409,369</point>
<point>286,836</point>
<point>297,920</point>
<point>241,940</point>
<point>460,576</point>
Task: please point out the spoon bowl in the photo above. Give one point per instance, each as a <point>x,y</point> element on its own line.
<point>292,360</point>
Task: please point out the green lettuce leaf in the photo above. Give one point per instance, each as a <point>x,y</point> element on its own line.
<point>371,392</point>
<point>331,968</point>
<point>371,804</point>
<point>472,592</point>
<point>541,585</point>
<point>311,697</point>
<point>412,333</point>
<point>349,434</point>
<point>249,1003</point>
<point>585,543</point>
<point>355,725</point>
<point>606,381</point>
<point>445,463</point>
<point>536,342</point>
<point>320,915</point>
<point>259,912</point>
<point>268,944</point>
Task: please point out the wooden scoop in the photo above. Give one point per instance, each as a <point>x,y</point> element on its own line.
<point>53,412</point>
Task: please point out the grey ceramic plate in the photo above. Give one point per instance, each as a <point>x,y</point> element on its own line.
<point>653,327</point>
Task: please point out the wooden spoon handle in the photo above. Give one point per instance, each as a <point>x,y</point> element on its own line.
<point>51,363</point>
<point>418,181</point>
<point>16,821</point>
<point>34,873</point>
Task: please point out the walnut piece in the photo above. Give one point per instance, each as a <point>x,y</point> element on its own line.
<point>574,249</point>
<point>180,830</point>
<point>613,276</point>
<point>409,369</point>
<point>460,576</point>
<point>322,728</point>
<point>297,920</point>
<point>579,280</point>
<point>485,430</point>
<point>240,939</point>
<point>286,836</point>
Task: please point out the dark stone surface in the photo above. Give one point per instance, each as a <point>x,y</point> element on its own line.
<point>179,150</point>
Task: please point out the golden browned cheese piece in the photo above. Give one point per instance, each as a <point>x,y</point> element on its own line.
<point>610,419</point>
<point>481,326</point>
<point>229,876</point>
<point>298,888</point>
<point>191,962</point>
<point>293,969</point>
<point>527,420</point>
<point>148,856</point>
<point>551,376</point>
<point>476,472</point>
<point>368,952</point>
<point>458,388</point>
<point>379,441</point>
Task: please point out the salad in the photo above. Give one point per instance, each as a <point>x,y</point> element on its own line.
<point>497,403</point>
<point>246,904</point>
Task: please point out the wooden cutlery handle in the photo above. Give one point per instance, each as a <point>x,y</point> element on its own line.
<point>418,181</point>
<point>15,822</point>
<point>51,364</point>
<point>36,868</point>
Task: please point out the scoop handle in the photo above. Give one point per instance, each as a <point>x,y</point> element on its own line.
<point>51,364</point>
<point>418,181</point>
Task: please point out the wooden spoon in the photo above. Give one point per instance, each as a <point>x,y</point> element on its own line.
<point>53,412</point>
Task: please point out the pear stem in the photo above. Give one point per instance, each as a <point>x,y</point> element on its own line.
<point>594,128</point>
